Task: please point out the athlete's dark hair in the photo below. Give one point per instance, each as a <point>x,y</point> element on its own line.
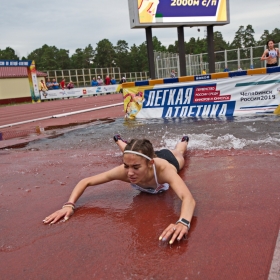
<point>143,146</point>
<point>270,41</point>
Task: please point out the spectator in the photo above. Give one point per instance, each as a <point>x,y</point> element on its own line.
<point>49,84</point>
<point>123,80</point>
<point>239,68</point>
<point>94,83</point>
<point>62,84</point>
<point>70,85</point>
<point>203,72</point>
<point>55,84</point>
<point>226,69</point>
<point>42,87</point>
<point>113,81</point>
<point>173,74</point>
<point>99,81</point>
<point>107,80</point>
<point>271,54</point>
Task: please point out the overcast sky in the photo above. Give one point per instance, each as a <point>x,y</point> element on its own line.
<point>71,24</point>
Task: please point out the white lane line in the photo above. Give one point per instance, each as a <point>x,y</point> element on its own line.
<point>274,273</point>
<point>23,122</point>
<point>62,115</point>
<point>87,110</point>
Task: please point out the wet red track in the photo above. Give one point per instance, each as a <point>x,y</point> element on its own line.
<point>27,131</point>
<point>114,232</point>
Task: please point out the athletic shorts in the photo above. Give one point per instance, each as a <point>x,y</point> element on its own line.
<point>272,65</point>
<point>167,155</point>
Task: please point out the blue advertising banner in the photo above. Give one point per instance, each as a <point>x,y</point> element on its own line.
<point>258,94</point>
<point>17,63</point>
<point>189,101</point>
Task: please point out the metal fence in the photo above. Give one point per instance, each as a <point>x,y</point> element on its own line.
<point>244,58</point>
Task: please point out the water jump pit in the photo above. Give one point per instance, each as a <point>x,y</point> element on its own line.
<point>231,169</point>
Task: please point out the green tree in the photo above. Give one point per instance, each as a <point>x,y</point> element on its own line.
<point>134,58</point>
<point>248,37</point>
<point>244,37</point>
<point>190,46</point>
<point>173,48</point>
<point>264,38</point>
<point>105,54</point>
<point>43,57</point>
<point>237,41</point>
<point>219,45</point>
<point>8,54</point>
<point>139,58</point>
<point>83,58</point>
<point>157,45</point>
<point>122,56</point>
<point>50,58</point>
<point>89,54</point>
<point>77,59</point>
<point>276,35</point>
<point>196,46</point>
<point>63,59</point>
<point>143,58</point>
<point>201,45</point>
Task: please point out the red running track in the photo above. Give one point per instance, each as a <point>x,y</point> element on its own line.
<point>18,113</point>
<point>23,133</point>
<point>114,232</point>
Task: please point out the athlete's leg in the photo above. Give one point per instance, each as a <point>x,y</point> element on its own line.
<point>120,142</point>
<point>180,150</point>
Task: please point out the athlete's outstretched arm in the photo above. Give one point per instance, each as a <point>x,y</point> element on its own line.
<point>178,230</point>
<point>67,211</point>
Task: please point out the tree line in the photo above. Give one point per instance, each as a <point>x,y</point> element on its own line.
<point>134,58</point>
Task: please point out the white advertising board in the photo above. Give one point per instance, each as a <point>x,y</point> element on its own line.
<point>77,92</point>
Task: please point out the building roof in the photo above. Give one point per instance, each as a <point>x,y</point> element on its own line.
<point>17,72</point>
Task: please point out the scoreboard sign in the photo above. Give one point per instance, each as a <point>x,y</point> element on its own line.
<point>172,13</point>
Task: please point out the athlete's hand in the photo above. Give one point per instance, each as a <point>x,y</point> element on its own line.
<point>65,213</point>
<point>174,231</point>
